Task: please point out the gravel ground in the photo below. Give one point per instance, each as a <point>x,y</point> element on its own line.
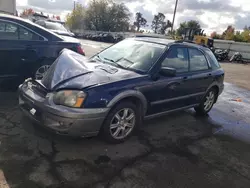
<point>238,74</point>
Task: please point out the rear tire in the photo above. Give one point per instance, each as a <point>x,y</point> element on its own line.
<point>121,122</point>
<point>207,102</point>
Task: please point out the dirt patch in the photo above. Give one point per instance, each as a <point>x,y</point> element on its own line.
<point>238,74</point>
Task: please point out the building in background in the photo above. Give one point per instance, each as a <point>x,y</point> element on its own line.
<point>8,7</point>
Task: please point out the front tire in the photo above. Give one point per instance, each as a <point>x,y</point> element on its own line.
<point>207,102</point>
<point>121,122</point>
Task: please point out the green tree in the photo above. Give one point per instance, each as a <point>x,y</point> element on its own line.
<point>139,21</point>
<point>159,25</point>
<point>75,20</point>
<point>193,24</point>
<point>120,17</point>
<point>104,15</point>
<point>246,35</point>
<point>238,37</point>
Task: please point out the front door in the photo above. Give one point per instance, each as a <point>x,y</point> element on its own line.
<point>172,92</point>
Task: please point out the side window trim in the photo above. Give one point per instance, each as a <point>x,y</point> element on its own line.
<point>19,25</point>
<point>208,63</point>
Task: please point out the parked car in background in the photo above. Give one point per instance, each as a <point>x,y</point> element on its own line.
<point>103,37</point>
<point>111,93</point>
<point>55,27</point>
<point>27,49</point>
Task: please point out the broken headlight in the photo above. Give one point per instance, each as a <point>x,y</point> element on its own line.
<point>69,98</point>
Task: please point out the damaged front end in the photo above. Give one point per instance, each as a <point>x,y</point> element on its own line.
<point>53,104</point>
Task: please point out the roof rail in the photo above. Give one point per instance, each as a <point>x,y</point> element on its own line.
<point>181,41</point>
<point>151,36</point>
<point>192,42</point>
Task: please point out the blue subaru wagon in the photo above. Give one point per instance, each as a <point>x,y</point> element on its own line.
<point>112,92</point>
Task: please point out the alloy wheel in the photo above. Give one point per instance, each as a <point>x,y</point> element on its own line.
<point>122,123</point>
<point>209,101</point>
<point>41,72</point>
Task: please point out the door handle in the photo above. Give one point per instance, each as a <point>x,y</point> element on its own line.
<point>208,76</point>
<point>173,85</point>
<point>29,47</point>
<point>185,78</point>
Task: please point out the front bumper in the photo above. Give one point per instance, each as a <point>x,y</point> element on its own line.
<point>62,120</point>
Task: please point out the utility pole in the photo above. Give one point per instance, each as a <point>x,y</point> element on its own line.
<point>175,8</point>
<point>74,4</point>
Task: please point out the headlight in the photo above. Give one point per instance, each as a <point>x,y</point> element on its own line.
<point>69,98</point>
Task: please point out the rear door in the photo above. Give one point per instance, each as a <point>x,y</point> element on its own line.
<point>200,73</point>
<point>19,50</point>
<point>10,50</point>
<point>34,47</point>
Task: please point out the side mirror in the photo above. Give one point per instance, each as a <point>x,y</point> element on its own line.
<point>167,71</point>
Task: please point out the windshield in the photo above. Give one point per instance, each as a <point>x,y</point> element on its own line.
<point>132,54</point>
<point>55,26</point>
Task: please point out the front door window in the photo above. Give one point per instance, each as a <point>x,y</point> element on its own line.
<point>177,58</point>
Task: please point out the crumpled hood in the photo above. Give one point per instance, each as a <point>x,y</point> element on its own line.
<point>75,71</point>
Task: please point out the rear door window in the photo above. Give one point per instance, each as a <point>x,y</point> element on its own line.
<point>11,31</point>
<point>25,34</point>
<point>8,31</point>
<point>198,61</point>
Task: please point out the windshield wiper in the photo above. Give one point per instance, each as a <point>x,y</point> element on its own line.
<point>111,60</point>
<point>123,58</point>
<point>115,63</point>
<point>98,58</point>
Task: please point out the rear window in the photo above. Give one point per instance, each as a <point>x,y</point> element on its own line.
<point>55,26</point>
<point>212,59</point>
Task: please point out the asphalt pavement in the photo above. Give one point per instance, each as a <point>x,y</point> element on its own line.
<point>179,150</point>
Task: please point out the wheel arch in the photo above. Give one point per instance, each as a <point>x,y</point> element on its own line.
<point>216,87</point>
<point>132,95</point>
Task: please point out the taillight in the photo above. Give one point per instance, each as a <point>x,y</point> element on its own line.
<point>80,50</point>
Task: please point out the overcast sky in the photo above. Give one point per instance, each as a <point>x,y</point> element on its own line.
<point>214,15</point>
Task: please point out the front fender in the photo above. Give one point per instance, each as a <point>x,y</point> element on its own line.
<point>129,93</point>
